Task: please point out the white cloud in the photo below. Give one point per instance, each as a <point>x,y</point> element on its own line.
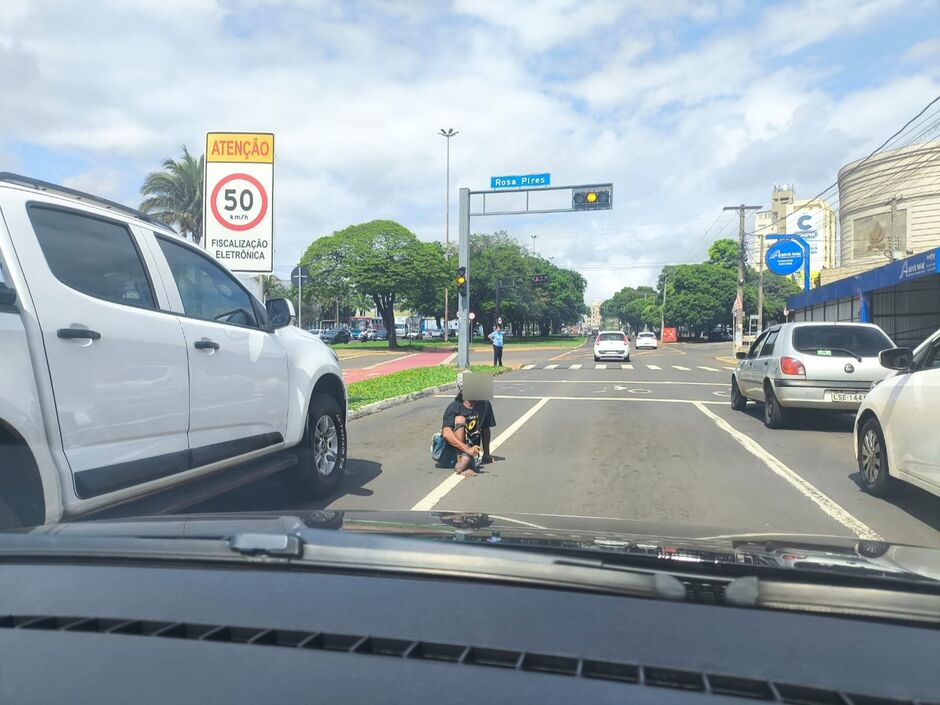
<point>924,51</point>
<point>685,109</point>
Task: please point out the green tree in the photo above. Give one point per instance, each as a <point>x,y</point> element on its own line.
<point>724,253</point>
<point>380,259</point>
<point>427,297</point>
<point>174,194</point>
<point>272,288</point>
<point>700,296</point>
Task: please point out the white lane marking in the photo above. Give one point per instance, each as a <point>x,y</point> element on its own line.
<point>575,367</point>
<point>517,521</point>
<point>451,481</point>
<point>669,347</point>
<point>654,367</point>
<point>626,366</point>
<point>731,368</point>
<point>449,359</point>
<point>527,367</point>
<point>680,367</point>
<point>829,506</point>
<point>634,390</point>
<point>600,366</point>
<point>708,369</point>
<point>550,367</point>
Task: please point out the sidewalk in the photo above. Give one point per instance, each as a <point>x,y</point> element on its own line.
<point>406,362</point>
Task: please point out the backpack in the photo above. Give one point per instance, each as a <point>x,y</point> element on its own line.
<point>437,446</point>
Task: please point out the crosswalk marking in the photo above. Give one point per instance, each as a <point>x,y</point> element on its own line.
<point>550,367</point>
<point>654,367</point>
<point>680,367</point>
<point>708,369</point>
<point>527,367</point>
<point>626,366</point>
<point>600,366</point>
<point>575,367</point>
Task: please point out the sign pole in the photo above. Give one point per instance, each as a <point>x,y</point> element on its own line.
<point>464,323</point>
<point>300,297</point>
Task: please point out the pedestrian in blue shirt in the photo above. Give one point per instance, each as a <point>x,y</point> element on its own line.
<point>497,337</point>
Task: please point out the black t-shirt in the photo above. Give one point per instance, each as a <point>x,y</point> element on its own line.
<point>479,416</point>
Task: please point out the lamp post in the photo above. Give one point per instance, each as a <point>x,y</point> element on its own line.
<point>447,134</point>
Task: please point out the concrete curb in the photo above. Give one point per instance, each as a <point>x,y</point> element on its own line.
<point>369,409</point>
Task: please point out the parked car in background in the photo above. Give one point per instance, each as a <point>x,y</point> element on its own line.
<point>379,334</point>
<point>434,334</point>
<point>897,429</point>
<point>809,365</point>
<point>335,335</point>
<point>719,336</point>
<point>646,340</point>
<point>401,331</point>
<point>315,331</point>
<point>612,344</point>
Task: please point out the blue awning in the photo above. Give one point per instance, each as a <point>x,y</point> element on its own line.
<point>891,274</point>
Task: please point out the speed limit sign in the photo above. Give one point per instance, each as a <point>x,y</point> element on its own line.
<point>239,183</point>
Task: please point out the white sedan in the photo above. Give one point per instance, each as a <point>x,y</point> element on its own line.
<point>612,344</point>
<point>896,436</point>
<point>646,339</point>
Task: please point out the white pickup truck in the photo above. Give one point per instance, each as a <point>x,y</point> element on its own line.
<point>133,365</point>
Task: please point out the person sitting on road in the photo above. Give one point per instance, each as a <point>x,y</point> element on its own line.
<point>466,430</point>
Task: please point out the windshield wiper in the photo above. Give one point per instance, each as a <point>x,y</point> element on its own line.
<point>843,350</point>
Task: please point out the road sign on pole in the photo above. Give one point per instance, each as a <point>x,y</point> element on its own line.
<point>238,199</point>
<point>524,181</point>
<point>801,244</point>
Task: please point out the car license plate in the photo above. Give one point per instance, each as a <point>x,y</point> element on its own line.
<point>854,397</point>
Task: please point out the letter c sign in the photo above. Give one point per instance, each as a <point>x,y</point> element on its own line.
<point>803,222</point>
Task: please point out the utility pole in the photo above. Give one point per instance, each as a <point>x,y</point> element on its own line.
<point>760,283</point>
<point>892,240</point>
<point>464,324</point>
<point>533,242</point>
<point>739,312</point>
<point>448,133</point>
<point>662,313</point>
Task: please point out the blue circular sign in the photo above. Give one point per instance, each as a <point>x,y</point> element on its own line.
<point>784,257</point>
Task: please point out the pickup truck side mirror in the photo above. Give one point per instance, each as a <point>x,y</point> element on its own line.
<point>7,295</point>
<point>280,312</point>
<point>896,358</point>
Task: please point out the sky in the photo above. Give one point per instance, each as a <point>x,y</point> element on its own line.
<point>686,106</point>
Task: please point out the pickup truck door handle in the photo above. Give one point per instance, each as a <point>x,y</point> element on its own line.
<point>78,334</point>
<point>206,345</point>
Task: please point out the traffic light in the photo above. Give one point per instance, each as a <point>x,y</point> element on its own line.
<point>540,279</point>
<point>591,199</point>
<point>461,281</point>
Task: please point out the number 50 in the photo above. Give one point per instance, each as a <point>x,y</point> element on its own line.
<point>246,199</point>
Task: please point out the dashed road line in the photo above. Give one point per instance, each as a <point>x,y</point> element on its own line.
<point>438,493</point>
<point>576,366</point>
<point>654,367</point>
<point>527,367</point>
<point>600,366</point>
<point>680,367</point>
<point>708,369</point>
<point>550,367</point>
<point>829,506</point>
<point>626,366</point>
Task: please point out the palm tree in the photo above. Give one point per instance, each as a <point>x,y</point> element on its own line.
<point>174,194</point>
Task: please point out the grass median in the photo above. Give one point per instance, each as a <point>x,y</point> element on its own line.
<point>404,382</point>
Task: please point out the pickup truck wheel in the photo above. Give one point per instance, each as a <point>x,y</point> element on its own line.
<point>324,446</point>
<point>872,460</point>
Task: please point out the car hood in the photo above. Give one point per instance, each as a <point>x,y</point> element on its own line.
<point>833,555</point>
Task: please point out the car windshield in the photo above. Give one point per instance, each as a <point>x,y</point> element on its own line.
<point>840,341</point>
<point>573,271</point>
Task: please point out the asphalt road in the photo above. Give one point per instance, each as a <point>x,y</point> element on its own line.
<point>653,441</point>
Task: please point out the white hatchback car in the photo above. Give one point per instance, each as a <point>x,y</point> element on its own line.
<point>646,339</point>
<point>896,430</point>
<point>612,344</point>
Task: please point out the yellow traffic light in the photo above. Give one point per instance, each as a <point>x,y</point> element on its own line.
<point>591,197</point>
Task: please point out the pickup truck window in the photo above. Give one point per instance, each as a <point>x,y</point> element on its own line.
<point>207,290</point>
<point>95,256</point>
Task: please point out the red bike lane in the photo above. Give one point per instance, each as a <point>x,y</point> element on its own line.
<point>406,362</point>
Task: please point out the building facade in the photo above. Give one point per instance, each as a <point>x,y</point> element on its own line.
<point>890,208</point>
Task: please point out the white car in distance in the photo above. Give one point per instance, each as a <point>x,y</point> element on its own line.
<point>896,429</point>
<point>611,344</point>
<point>647,340</point>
